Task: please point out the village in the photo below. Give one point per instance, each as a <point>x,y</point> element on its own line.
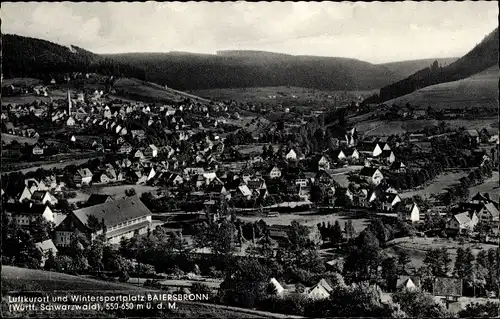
<point>103,185</point>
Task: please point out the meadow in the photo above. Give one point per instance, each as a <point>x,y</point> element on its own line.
<point>437,186</point>
<point>478,90</point>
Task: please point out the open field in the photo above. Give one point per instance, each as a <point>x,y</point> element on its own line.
<point>50,166</point>
<point>439,185</point>
<point>378,127</point>
<point>117,191</point>
<point>254,148</point>
<point>22,279</point>
<point>478,90</point>
<point>418,247</point>
<point>8,138</point>
<point>489,186</point>
<point>280,94</point>
<point>137,89</point>
<point>340,175</point>
<point>21,81</point>
<point>312,219</point>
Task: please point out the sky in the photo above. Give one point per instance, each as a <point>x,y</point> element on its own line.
<point>376,32</point>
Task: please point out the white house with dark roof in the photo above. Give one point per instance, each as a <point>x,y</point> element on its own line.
<point>44,197</point>
<point>120,218</point>
<point>371,174</point>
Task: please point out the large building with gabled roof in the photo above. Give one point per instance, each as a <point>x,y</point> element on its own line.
<point>117,219</point>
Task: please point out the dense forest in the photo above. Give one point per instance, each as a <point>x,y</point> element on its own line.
<point>481,57</point>
<point>30,57</point>
<point>233,69</point>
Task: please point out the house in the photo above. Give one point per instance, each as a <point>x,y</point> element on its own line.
<point>244,191</point>
<point>83,177</point>
<point>404,283</point>
<point>70,121</point>
<point>398,166</point>
<point>417,137</point>
<point>8,127</point>
<point>408,211</point>
<point>352,153</point>
<point>119,218</point>
<point>25,213</point>
<point>139,134</point>
<point>291,155</point>
<point>389,201</point>
<point>371,175</point>
<point>277,286</point>
<point>489,213</point>
<point>321,290</point>
<point>97,199</point>
<point>126,148</point>
<point>24,194</point>
<point>100,178</point>
<point>151,151</point>
<point>44,197</point>
<point>369,149</point>
<point>37,149</point>
<point>388,156</point>
<point>46,246</point>
<point>323,177</point>
<point>139,154</point>
<point>462,223</point>
<point>275,172</point>
<point>322,162</point>
<point>338,155</point>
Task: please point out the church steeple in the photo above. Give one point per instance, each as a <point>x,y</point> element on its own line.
<point>69,103</point>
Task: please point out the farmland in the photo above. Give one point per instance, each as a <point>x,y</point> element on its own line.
<point>480,89</point>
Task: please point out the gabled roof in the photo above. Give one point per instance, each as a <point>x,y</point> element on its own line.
<point>25,208</point>
<point>97,199</point>
<point>367,171</point>
<point>386,153</point>
<point>490,207</point>
<point>114,212</point>
<point>85,172</point>
<point>245,191</point>
<point>463,218</point>
<point>38,195</point>
<point>47,245</point>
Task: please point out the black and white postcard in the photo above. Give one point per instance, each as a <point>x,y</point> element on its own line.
<point>250,159</point>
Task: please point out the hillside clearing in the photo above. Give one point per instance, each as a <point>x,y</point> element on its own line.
<point>478,90</point>
<point>489,186</point>
<point>439,185</point>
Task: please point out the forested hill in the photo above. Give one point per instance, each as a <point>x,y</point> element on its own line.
<point>30,57</point>
<point>481,57</point>
<point>406,68</point>
<point>233,69</point>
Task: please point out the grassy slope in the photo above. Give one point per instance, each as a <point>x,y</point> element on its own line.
<point>407,68</point>
<point>478,90</point>
<point>21,279</point>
